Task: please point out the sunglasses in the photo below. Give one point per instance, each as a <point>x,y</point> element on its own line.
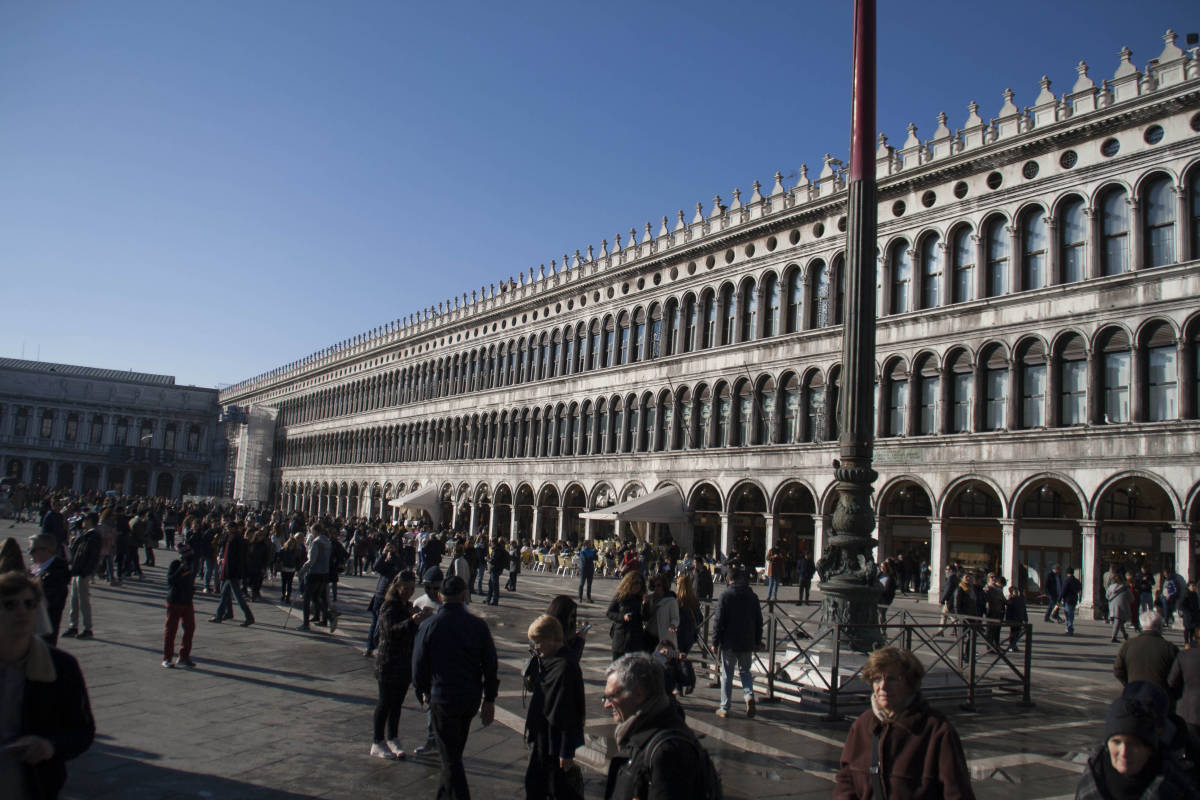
<point>12,604</point>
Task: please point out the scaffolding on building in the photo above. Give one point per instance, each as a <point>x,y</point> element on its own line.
<point>256,440</point>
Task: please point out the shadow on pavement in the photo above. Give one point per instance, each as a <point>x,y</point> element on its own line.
<point>108,771</point>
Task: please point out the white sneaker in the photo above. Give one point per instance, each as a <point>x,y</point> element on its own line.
<point>394,746</point>
<point>380,750</point>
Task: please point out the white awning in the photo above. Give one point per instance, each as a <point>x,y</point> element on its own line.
<point>662,505</point>
<point>424,499</point>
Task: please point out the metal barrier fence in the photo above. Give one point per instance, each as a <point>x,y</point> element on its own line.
<point>972,660</point>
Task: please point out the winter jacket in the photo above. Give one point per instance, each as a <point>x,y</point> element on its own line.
<point>1120,602</point>
<point>676,769</point>
<point>627,637</point>
<point>1184,678</point>
<point>1172,780</point>
<point>920,756</point>
<point>60,712</point>
<point>397,631</point>
<point>454,658</point>
<point>180,583</point>
<point>738,622</point>
<point>1145,657</point>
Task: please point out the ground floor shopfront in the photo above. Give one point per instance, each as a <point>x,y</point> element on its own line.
<point>1016,519</point>
<point>86,475</point>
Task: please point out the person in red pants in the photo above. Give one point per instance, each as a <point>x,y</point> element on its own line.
<point>180,590</point>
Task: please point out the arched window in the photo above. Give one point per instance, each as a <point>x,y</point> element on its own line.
<point>1161,375</point>
<point>1073,233</point>
<point>928,395</point>
<point>548,432</point>
<point>568,352</point>
<point>795,300</point>
<point>689,325</point>
<point>687,434</point>
<point>567,426</point>
<point>555,356</point>
<point>670,328</point>
<point>1032,376</point>
<point>531,360</point>
<point>618,411</point>
<point>638,339</point>
<point>749,311</point>
<point>995,387</point>
<point>1193,188</point>
<point>580,347</point>
<point>901,262</point>
<point>646,430</point>
<point>744,415</point>
<point>1033,249</point>
<point>1158,209</point>
<point>962,390</point>
<point>1114,232</point>
<point>964,265</point>
<point>771,293</point>
<point>814,408</point>
<point>822,293</point>
<point>790,406</point>
<point>632,424</point>
<point>664,436</point>
<point>996,256</point>
<point>623,339</point>
<point>1072,399</point>
<point>764,406</point>
<point>931,271</point>
<point>723,412</point>
<point>594,345</point>
<point>897,400</point>
<point>703,417</point>
<point>728,314</point>
<point>1115,355</point>
<point>610,351</point>
<point>602,427</point>
<point>656,331</point>
<point>709,303</point>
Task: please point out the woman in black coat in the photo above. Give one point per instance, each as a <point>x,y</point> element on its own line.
<point>627,614</point>
<point>398,623</point>
<point>557,710</point>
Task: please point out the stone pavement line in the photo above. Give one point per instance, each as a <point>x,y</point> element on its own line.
<point>275,713</point>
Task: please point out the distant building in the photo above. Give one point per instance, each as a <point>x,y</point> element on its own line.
<point>1038,367</point>
<point>87,429</point>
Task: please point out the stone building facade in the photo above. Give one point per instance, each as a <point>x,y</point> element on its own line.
<point>1038,358</point>
<point>90,429</point>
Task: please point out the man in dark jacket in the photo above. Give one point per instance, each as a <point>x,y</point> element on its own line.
<point>497,563</point>
<point>181,590</point>
<point>49,568</point>
<point>658,756</point>
<point>737,630</point>
<point>233,572</point>
<point>1053,587</point>
<point>85,557</point>
<point>1071,590</point>
<point>1147,656</point>
<point>454,668</point>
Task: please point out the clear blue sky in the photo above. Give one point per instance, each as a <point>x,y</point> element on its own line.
<point>213,189</point>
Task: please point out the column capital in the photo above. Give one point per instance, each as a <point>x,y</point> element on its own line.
<point>1088,527</point>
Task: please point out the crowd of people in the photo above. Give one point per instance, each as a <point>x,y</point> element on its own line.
<point>899,747</point>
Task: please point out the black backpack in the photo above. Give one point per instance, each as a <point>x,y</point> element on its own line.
<point>710,779</point>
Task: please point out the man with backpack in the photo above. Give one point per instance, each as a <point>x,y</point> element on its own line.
<point>85,557</point>
<point>658,756</point>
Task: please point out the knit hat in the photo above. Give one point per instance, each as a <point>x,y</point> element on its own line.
<point>1141,710</point>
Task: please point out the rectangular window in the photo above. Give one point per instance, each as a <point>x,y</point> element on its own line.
<point>929,398</point>
<point>1074,392</point>
<point>193,444</point>
<point>1162,384</point>
<point>996,384</point>
<point>97,431</point>
<point>962,402</point>
<point>169,439</point>
<point>1033,396</point>
<point>1116,387</point>
<point>47,426</point>
<point>72,429</point>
